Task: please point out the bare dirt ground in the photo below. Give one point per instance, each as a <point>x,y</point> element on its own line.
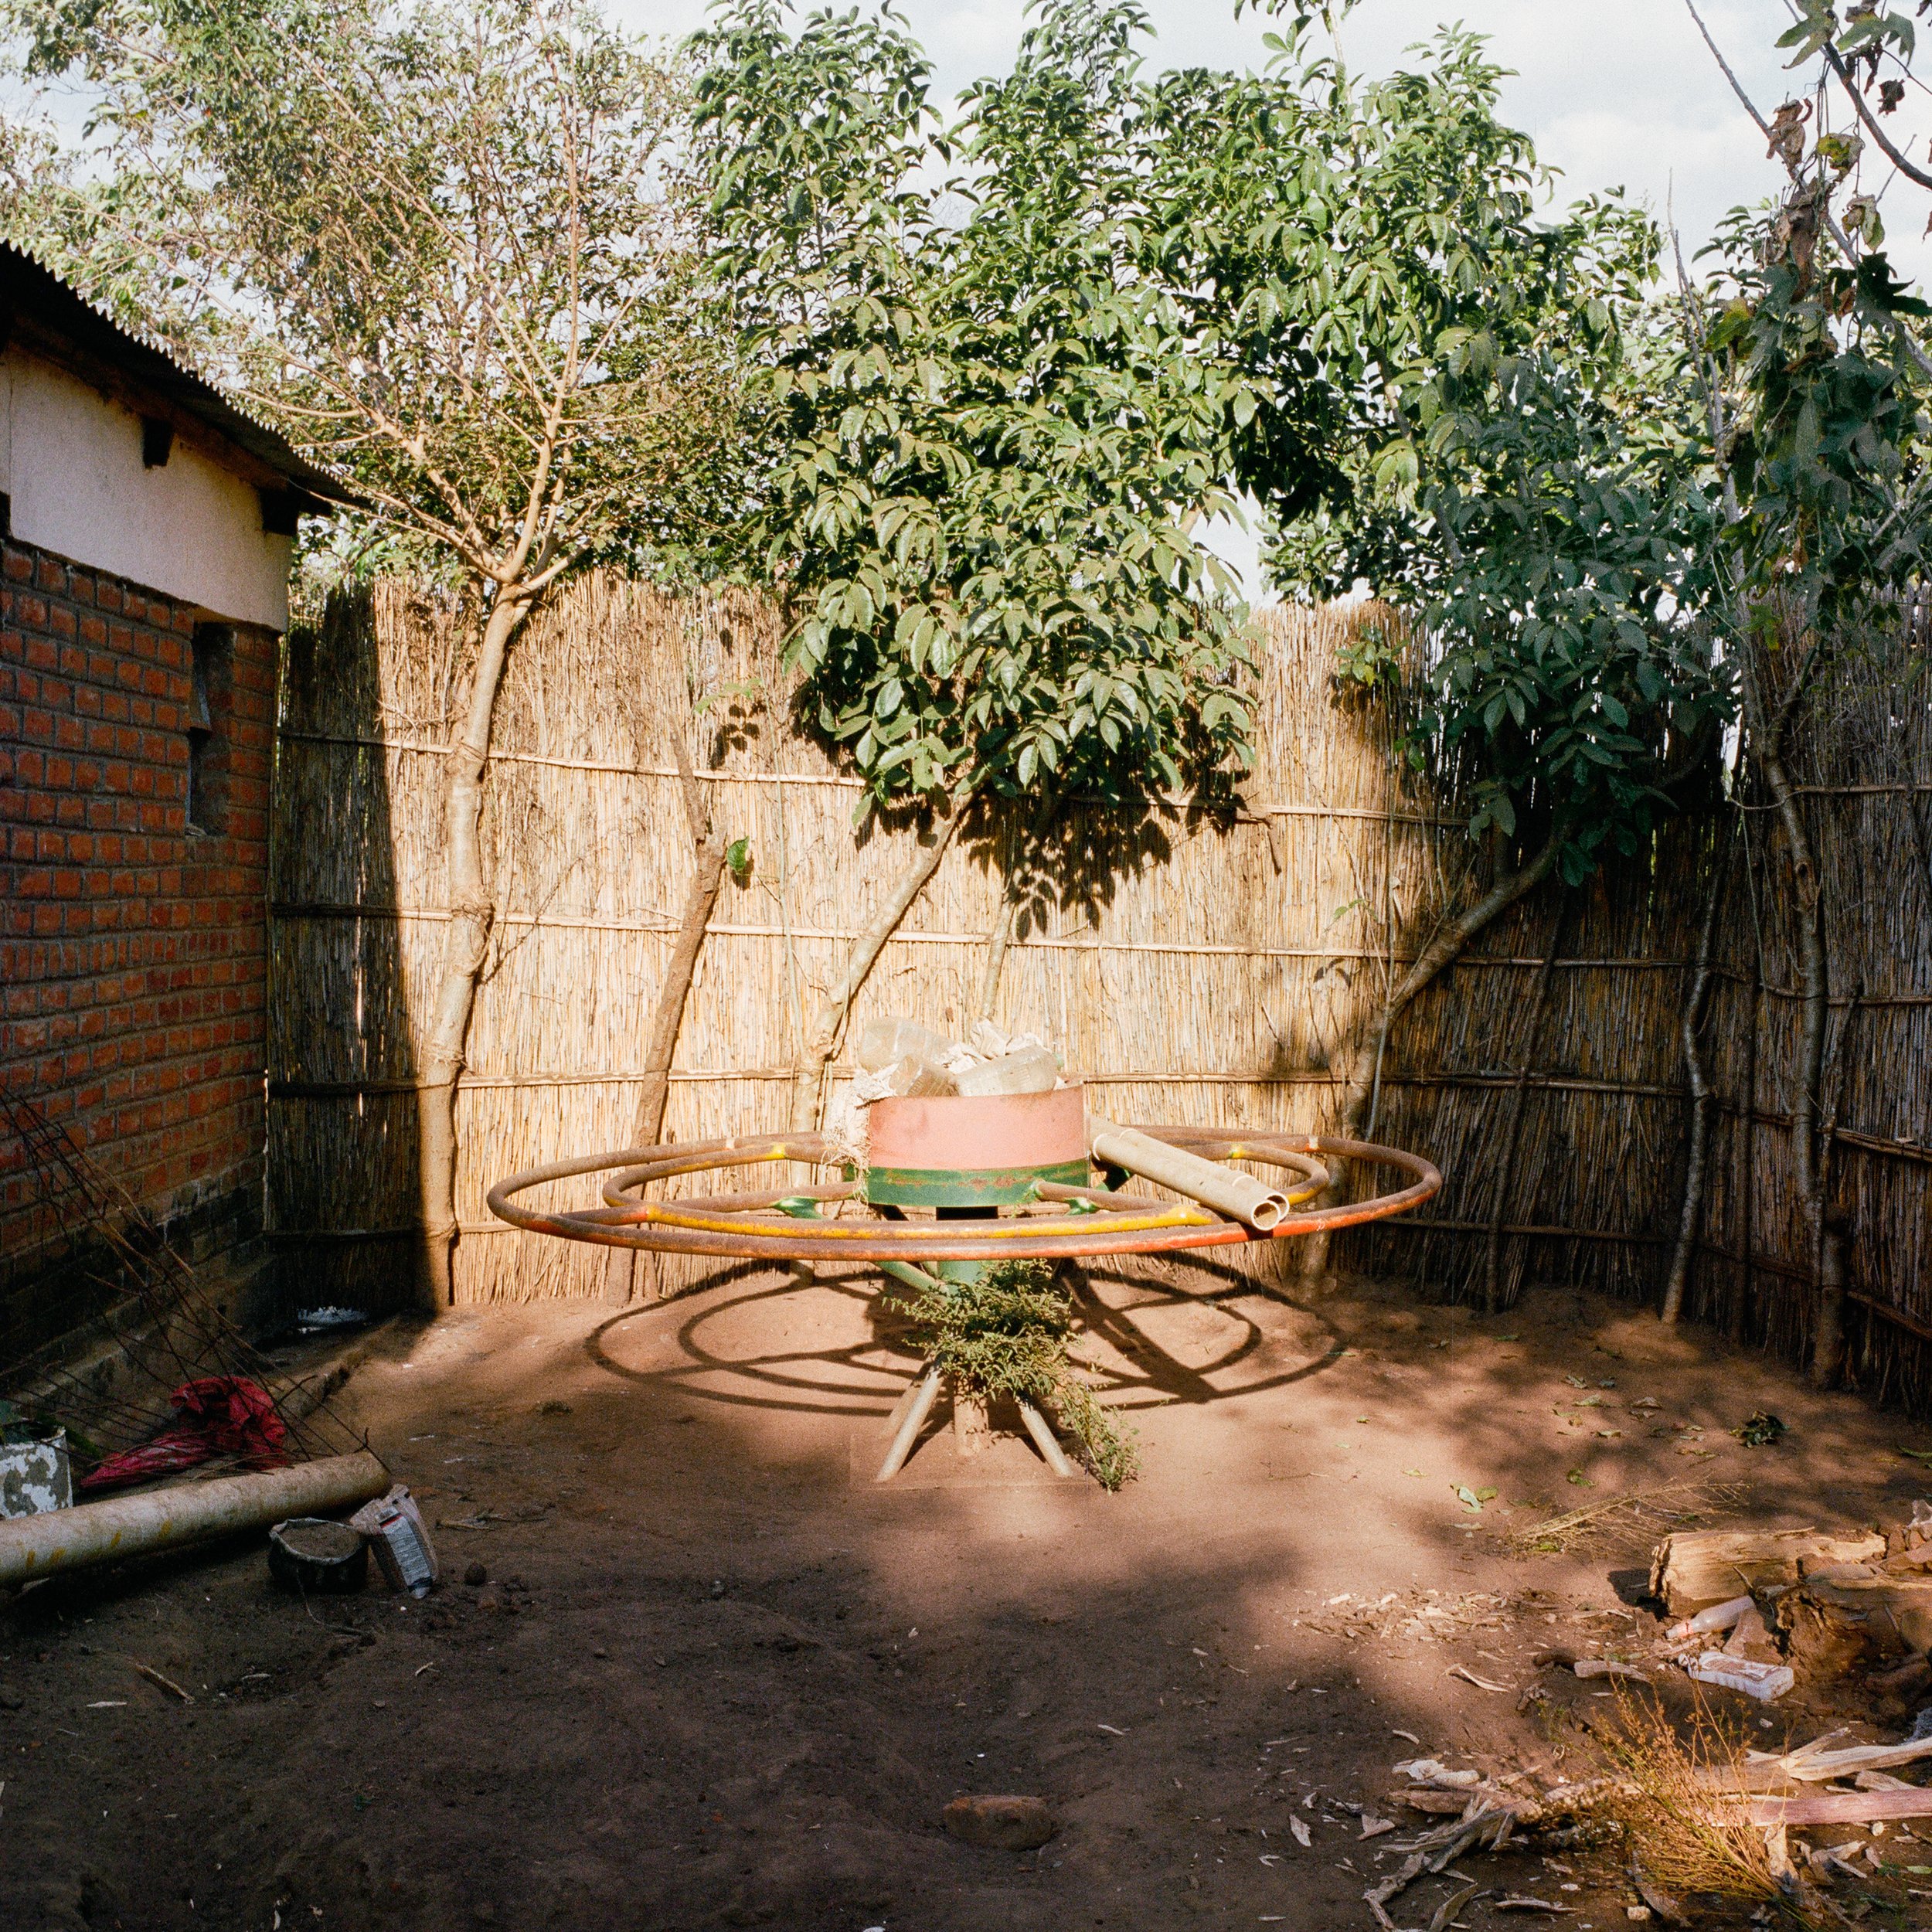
<point>717,1677</point>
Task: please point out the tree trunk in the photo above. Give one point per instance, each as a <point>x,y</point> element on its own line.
<point>1828,1347</point>
<point>1020,861</point>
<point>465,943</point>
<point>1444,951</point>
<point>1814,969</point>
<point>1512,1133</point>
<point>707,878</point>
<point>809,1087</point>
<point>1835,1228</point>
<point>1690,1221</point>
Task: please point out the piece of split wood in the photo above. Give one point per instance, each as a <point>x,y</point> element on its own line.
<point>1112,1730</point>
<point>1470,1677</point>
<point>1410,1735</point>
<point>1303,1837</point>
<point>1804,1751</point>
<point>1695,1569</point>
<point>154,1677</point>
<point>1446,1912</point>
<point>1663,1904</point>
<point>1744,1780</point>
<point>1833,1807</point>
<point>1374,1827</point>
<point>1522,1901</point>
<point>1432,1770</point>
<point>1424,1797</point>
<point>1881,1781</point>
<point>1812,1766</point>
<point>1606,1667</point>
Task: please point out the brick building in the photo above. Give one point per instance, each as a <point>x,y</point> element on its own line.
<point>146,525</point>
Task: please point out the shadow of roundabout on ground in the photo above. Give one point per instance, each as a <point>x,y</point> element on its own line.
<point>827,1344</point>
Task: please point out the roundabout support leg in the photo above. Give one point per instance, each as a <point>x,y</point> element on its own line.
<point>923,1397</point>
<point>1045,1440</point>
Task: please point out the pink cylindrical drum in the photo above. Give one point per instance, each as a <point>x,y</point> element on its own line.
<point>989,1150</point>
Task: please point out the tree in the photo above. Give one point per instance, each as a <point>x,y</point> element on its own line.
<point>992,432</point>
<point>1813,372</point>
<point>447,248</point>
<point>1509,454</point>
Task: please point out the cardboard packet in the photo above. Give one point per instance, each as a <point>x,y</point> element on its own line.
<point>394,1528</point>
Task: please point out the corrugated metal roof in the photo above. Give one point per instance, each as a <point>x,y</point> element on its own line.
<point>30,287</point>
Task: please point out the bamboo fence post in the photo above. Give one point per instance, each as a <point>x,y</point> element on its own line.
<point>1364,1076</point>
<point>1444,951</point>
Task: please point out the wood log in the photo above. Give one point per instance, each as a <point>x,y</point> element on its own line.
<point>1695,1569</point>
<point>1837,1807</point>
<point>98,1532</point>
<point>1848,1621</point>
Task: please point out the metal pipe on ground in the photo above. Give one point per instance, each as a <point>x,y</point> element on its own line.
<point>1240,1196</point>
<point>97,1532</point>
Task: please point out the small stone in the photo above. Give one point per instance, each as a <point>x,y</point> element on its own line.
<point>476,1576</point>
<point>717,1589</point>
<point>493,1600</point>
<point>1000,1824</point>
<point>10,1698</point>
<point>555,1409</point>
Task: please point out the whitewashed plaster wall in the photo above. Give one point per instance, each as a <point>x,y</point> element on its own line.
<point>70,463</point>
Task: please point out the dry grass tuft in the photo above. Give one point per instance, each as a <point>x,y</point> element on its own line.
<point>1663,1786</point>
<point>1663,1790</point>
<point>1630,1518</point>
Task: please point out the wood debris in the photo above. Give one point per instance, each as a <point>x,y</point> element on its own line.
<point>1694,1569</point>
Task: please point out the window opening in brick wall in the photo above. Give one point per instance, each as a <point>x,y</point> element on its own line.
<point>208,700</point>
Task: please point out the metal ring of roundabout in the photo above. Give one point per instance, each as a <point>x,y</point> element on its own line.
<point>1058,1220</point>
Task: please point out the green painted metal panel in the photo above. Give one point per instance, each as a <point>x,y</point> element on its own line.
<point>968,1187</point>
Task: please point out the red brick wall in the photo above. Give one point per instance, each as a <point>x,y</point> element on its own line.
<point>133,951</point>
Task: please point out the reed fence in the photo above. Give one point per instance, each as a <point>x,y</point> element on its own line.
<point>1192,961</point>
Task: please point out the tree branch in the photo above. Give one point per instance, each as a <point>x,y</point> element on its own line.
<point>1878,133</point>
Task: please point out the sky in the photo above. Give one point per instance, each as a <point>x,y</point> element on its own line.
<point>1617,92</point>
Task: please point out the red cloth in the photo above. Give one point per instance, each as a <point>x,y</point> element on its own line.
<point>221,1415</point>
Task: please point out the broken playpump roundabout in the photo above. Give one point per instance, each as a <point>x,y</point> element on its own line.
<point>992,1152</point>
